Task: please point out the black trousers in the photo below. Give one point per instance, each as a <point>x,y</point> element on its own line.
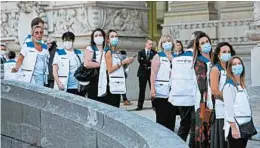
<point>185,123</point>
<point>236,143</point>
<point>192,128</point>
<point>142,87</point>
<point>112,99</point>
<point>124,97</point>
<point>165,113</point>
<point>50,84</point>
<point>73,91</point>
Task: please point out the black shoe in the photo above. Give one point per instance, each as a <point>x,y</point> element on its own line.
<point>138,108</point>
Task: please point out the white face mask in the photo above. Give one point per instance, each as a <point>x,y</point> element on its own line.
<point>99,40</point>
<point>67,45</point>
<point>3,52</point>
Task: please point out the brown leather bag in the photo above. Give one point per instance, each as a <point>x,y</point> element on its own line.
<point>206,113</point>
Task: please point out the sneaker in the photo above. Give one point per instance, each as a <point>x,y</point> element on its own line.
<point>127,103</point>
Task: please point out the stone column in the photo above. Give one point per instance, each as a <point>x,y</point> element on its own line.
<point>236,10</point>
<point>180,12</point>
<point>255,52</point>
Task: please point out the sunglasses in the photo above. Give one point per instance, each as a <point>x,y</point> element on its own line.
<point>37,33</point>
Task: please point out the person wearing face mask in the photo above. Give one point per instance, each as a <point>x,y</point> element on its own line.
<point>35,22</point>
<point>113,69</point>
<point>3,58</point>
<point>33,60</point>
<point>92,59</point>
<point>160,83</point>
<point>144,71</point>
<point>222,54</point>
<point>237,106</point>
<point>203,102</point>
<point>66,61</point>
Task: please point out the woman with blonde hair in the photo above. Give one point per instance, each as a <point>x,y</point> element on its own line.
<point>237,107</point>
<point>160,83</point>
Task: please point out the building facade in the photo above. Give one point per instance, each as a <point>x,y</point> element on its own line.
<point>234,22</point>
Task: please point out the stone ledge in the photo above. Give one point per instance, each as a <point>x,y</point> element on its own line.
<point>66,120</point>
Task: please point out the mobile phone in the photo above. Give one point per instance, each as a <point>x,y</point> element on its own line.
<point>134,56</point>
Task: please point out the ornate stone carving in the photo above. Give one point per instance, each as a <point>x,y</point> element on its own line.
<point>128,21</point>
<point>27,6</point>
<point>175,32</point>
<point>9,23</point>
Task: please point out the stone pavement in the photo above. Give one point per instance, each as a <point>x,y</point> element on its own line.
<point>148,113</point>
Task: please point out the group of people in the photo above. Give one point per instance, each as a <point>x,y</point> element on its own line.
<point>205,86</point>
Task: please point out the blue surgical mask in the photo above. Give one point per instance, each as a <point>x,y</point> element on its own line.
<point>225,57</point>
<point>206,48</point>
<point>167,46</point>
<point>114,41</point>
<point>237,69</point>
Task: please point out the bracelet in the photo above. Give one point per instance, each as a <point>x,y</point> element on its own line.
<point>118,65</point>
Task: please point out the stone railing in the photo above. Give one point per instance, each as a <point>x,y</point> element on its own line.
<point>232,31</point>
<point>34,116</point>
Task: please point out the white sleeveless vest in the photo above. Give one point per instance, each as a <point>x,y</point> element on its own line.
<point>8,75</point>
<point>29,61</point>
<point>117,78</point>
<point>64,67</point>
<point>242,110</point>
<point>183,80</point>
<point>162,85</point>
<point>219,105</point>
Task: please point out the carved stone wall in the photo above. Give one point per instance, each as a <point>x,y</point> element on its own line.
<point>128,19</point>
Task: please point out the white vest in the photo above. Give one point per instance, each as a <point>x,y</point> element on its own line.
<point>219,105</point>
<point>183,81</point>
<point>117,78</point>
<point>162,85</point>
<point>64,67</point>
<point>242,110</point>
<point>29,61</point>
<point>8,75</point>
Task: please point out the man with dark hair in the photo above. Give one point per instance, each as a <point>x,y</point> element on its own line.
<point>35,22</point>
<point>11,55</point>
<point>68,36</point>
<point>144,71</point>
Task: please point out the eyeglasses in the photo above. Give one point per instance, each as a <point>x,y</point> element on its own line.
<point>49,43</point>
<point>37,33</point>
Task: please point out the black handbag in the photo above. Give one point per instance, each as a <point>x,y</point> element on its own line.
<point>84,74</point>
<point>247,129</point>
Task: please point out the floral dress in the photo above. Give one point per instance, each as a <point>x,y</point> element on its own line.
<point>202,129</point>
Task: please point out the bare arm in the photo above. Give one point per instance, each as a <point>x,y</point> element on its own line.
<point>214,83</point>
<point>55,69</point>
<point>88,63</point>
<point>154,70</point>
<point>110,67</point>
<point>18,63</point>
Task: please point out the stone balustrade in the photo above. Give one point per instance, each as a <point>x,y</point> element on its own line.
<point>33,116</point>
<point>232,31</point>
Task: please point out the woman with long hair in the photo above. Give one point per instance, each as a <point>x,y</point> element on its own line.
<point>222,54</point>
<point>236,101</point>
<point>116,85</point>
<point>92,59</point>
<point>203,103</point>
